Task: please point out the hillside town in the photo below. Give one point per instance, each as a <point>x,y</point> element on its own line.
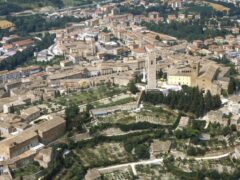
<point>123,89</point>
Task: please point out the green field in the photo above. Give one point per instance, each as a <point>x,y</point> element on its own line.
<point>161,115</point>
<point>90,95</point>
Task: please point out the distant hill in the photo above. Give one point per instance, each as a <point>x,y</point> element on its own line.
<point>9,6</point>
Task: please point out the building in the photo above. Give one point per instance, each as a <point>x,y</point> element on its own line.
<point>66,63</point>
<point>93,174</point>
<point>216,117</point>
<point>159,148</point>
<point>11,107</point>
<point>183,75</point>
<point>30,113</point>
<point>209,76</point>
<point>16,145</point>
<point>44,157</point>
<point>23,43</point>
<point>183,122</point>
<point>31,139</point>
<point>104,37</point>
<point>6,129</point>
<point>151,71</point>
<point>50,130</point>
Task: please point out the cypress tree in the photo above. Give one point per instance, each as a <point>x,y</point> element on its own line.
<point>231,86</point>
<point>216,102</point>
<point>208,101</point>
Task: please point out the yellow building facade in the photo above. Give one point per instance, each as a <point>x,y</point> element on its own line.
<point>180,80</point>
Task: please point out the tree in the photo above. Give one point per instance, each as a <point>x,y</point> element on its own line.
<point>70,112</point>
<point>11,109</point>
<point>89,107</point>
<point>208,101</point>
<point>231,86</point>
<point>57,93</point>
<point>217,102</point>
<point>189,99</point>
<point>158,38</point>
<point>160,74</point>
<point>142,151</point>
<point>132,87</point>
<point>199,111</point>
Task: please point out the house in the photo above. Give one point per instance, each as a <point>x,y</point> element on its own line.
<point>139,52</point>
<point>236,153</point>
<point>6,129</point>
<point>171,18</point>
<point>31,139</point>
<point>219,39</point>
<point>92,174</point>
<point>234,104</point>
<point>205,137</point>
<point>183,122</point>
<point>66,63</point>
<point>215,116</point>
<point>11,107</point>
<point>159,148</point>
<point>104,37</point>
<point>181,17</point>
<point>23,43</point>
<point>198,43</point>
<point>30,113</point>
<point>44,157</point>
<point>50,130</point>
<point>16,145</point>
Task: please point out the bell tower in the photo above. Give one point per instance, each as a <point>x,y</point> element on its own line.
<point>151,71</point>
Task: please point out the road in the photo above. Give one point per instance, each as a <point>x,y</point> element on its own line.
<point>153,161</point>
<point>132,165</point>
<point>213,157</point>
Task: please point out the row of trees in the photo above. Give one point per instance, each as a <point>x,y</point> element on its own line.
<point>37,23</point>
<point>127,127</point>
<point>189,99</point>
<point>4,32</point>
<point>7,8</point>
<point>71,111</point>
<point>20,58</point>
<point>184,30</point>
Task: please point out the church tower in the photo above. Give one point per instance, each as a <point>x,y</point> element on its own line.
<point>151,71</point>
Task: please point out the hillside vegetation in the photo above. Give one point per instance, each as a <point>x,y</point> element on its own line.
<point>29,4</point>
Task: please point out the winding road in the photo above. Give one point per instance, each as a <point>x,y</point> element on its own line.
<point>132,165</point>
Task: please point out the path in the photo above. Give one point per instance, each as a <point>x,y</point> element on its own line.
<point>213,157</point>
<point>132,165</point>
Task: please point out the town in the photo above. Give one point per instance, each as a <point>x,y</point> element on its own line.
<point>122,89</point>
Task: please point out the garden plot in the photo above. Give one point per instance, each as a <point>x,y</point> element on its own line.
<point>104,154</point>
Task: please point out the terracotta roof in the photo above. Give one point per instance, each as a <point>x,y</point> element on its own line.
<point>23,42</point>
